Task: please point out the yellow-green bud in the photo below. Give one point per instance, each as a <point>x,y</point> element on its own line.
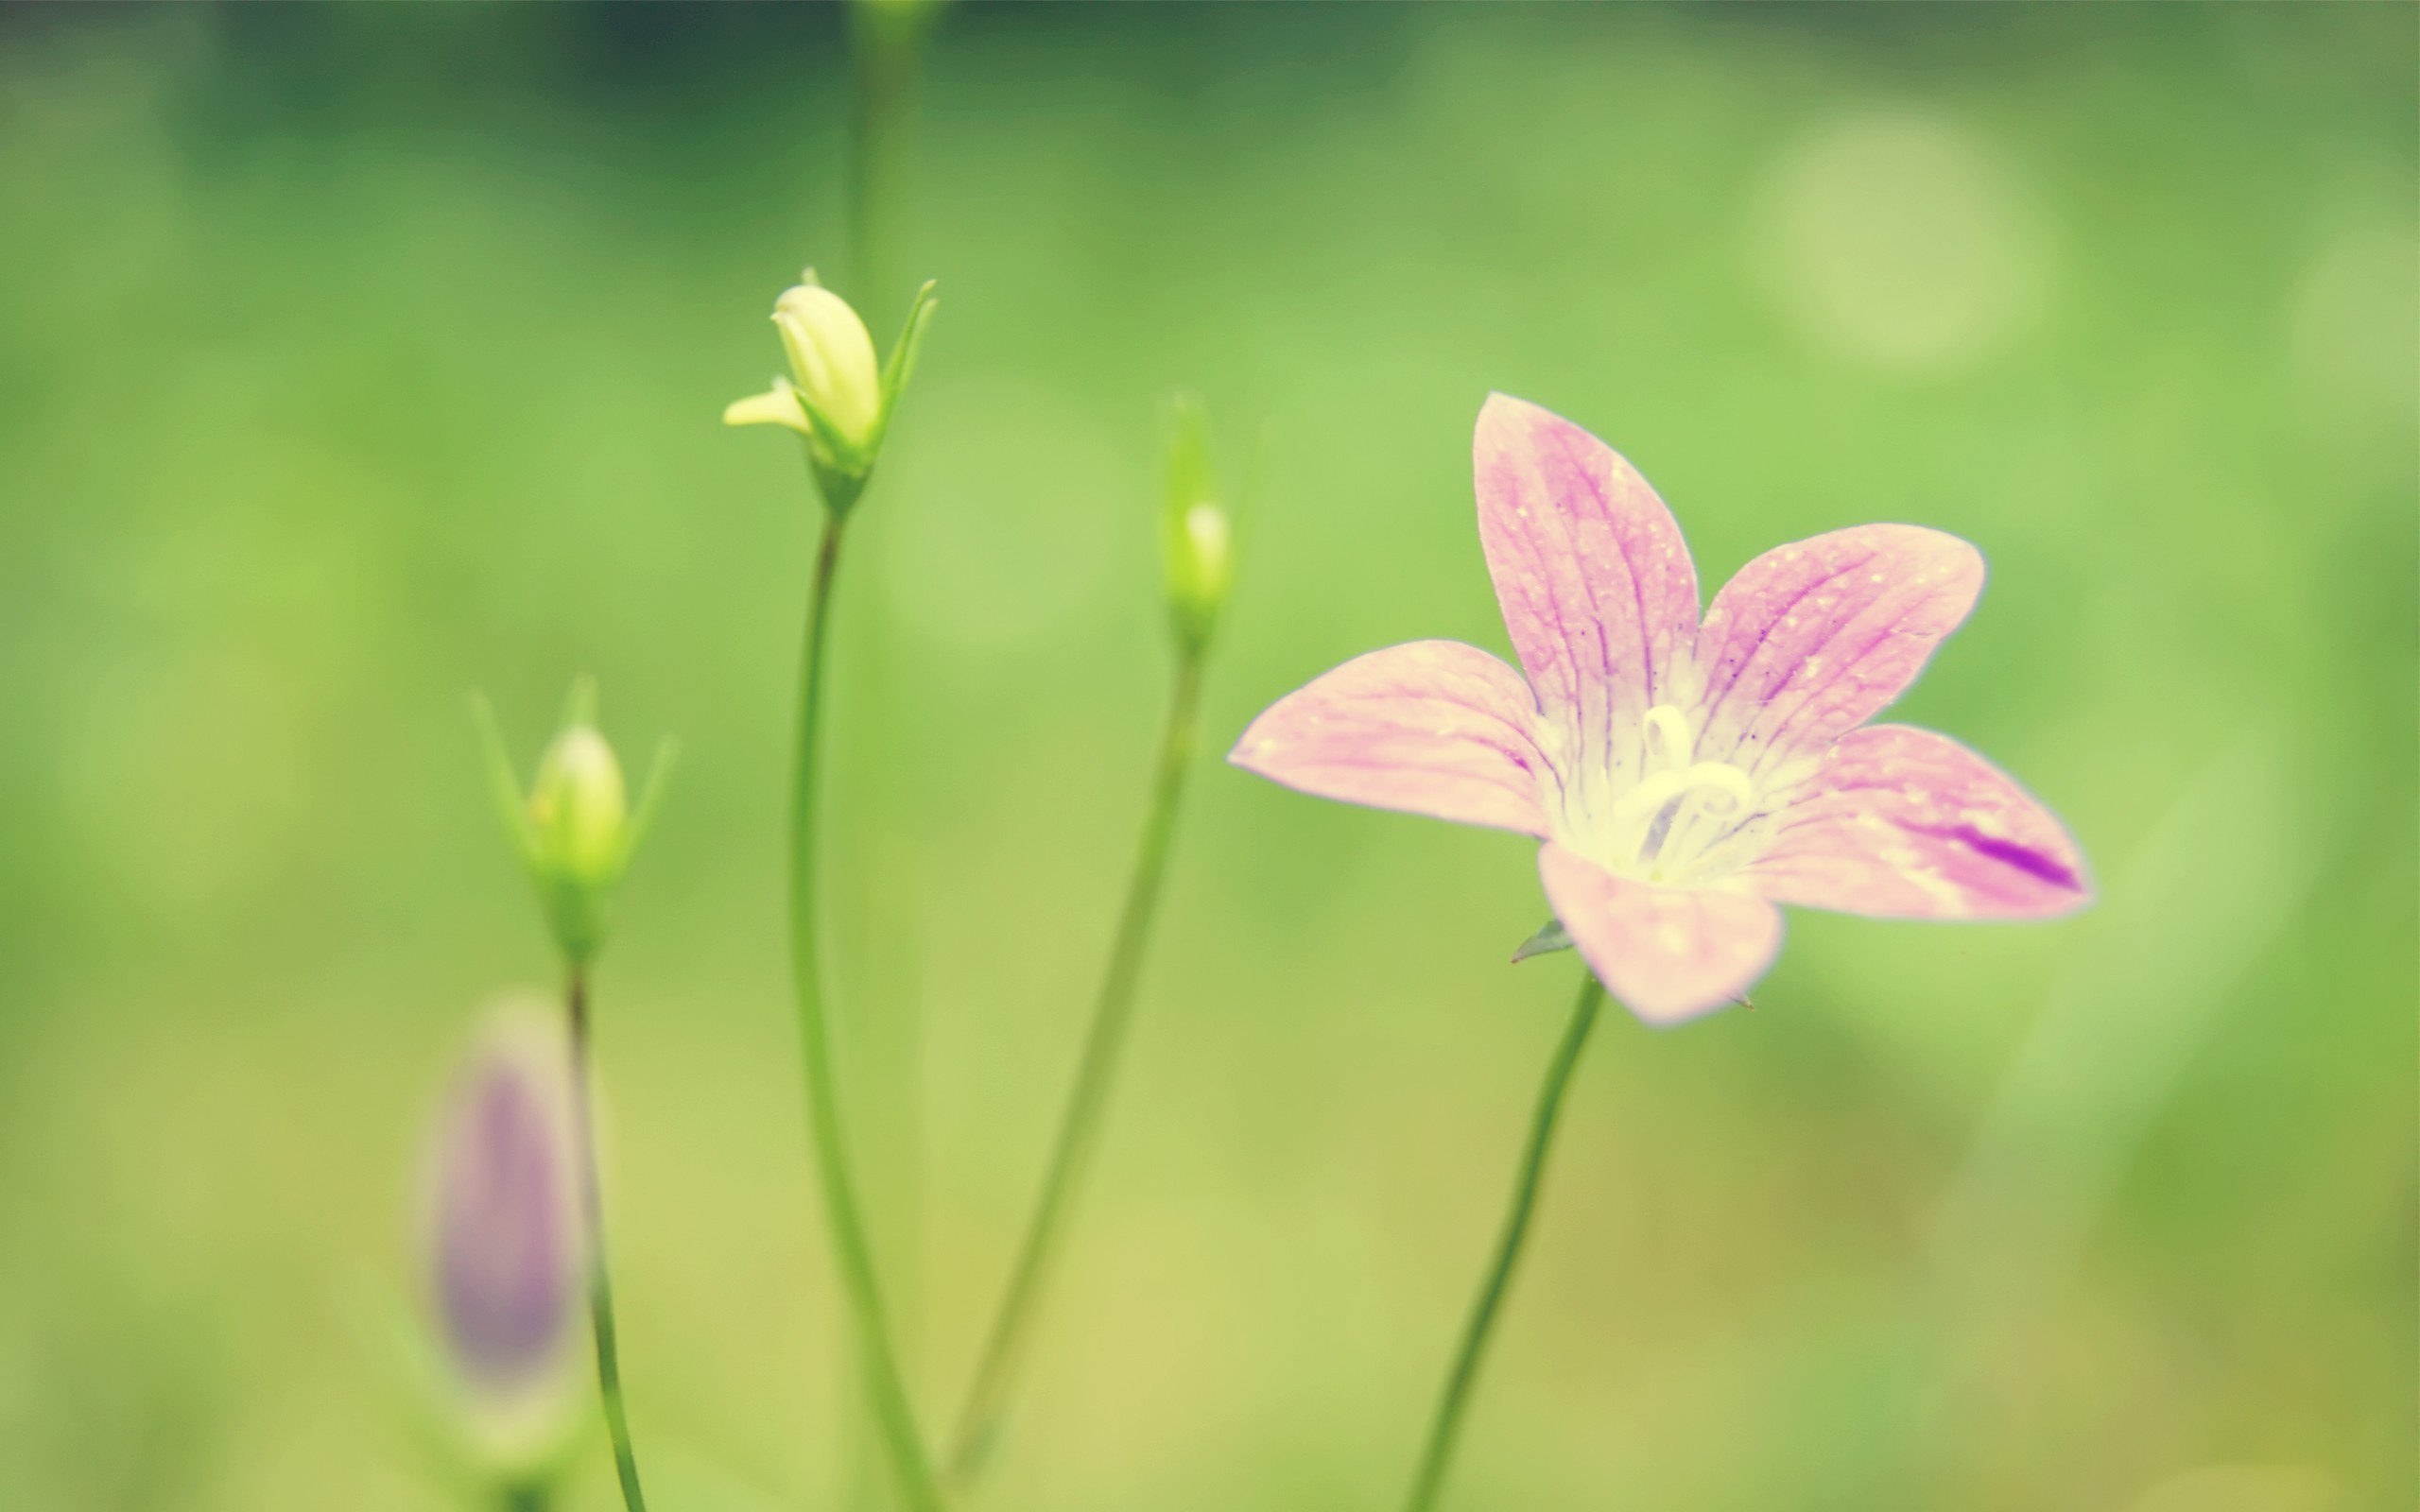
<point>841,400</point>
<point>579,811</point>
<point>1196,539</point>
<point>833,362</point>
<point>576,829</point>
<point>1202,567</point>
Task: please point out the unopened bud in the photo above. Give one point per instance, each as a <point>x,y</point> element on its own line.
<point>579,809</point>
<point>1198,539</point>
<point>837,396</point>
<point>576,831</point>
<point>505,1240</point>
<point>833,363</point>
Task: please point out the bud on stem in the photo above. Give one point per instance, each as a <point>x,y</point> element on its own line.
<point>505,1235</point>
<point>1196,532</point>
<point>836,396</point>
<point>575,832</point>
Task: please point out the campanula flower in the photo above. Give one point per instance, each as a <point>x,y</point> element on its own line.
<point>505,1236</point>
<point>1686,776</point>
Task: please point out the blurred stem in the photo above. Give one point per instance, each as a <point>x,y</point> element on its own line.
<point>1079,1125</point>
<point>1439,1450</point>
<point>526,1495</point>
<point>893,1414</point>
<point>878,1011</point>
<point>885,49</point>
<point>600,1283</point>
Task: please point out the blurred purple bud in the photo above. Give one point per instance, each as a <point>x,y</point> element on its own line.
<point>505,1236</point>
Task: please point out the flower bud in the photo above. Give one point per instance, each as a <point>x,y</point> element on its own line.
<point>841,400</point>
<point>576,831</point>
<point>505,1238</point>
<point>579,809</point>
<point>833,362</point>
<point>1196,536</point>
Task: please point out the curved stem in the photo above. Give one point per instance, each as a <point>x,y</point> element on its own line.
<point>1080,1125</point>
<point>1439,1450</point>
<point>893,1414</point>
<point>600,1281</point>
<point>880,1016</point>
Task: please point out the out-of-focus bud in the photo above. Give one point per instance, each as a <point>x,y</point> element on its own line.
<point>836,395</point>
<point>576,831</point>
<point>505,1247</point>
<point>579,809</point>
<point>504,1254</point>
<point>1197,534</point>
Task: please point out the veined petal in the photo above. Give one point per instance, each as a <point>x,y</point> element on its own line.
<point>777,405</point>
<point>1435,727</point>
<point>1667,953</point>
<point>1810,640</point>
<point>1902,823</point>
<point>1597,587</point>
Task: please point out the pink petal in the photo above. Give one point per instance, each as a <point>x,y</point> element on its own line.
<point>1810,640</point>
<point>1596,583</point>
<point>1902,823</point>
<point>1436,727</point>
<point>1667,953</point>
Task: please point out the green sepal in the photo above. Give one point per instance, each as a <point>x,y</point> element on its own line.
<point>502,786</point>
<point>902,364</point>
<point>829,456</point>
<point>580,703</point>
<point>1550,938</point>
<point>659,774</point>
<point>840,487</point>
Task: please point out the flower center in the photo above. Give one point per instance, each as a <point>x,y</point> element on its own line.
<point>1684,821</point>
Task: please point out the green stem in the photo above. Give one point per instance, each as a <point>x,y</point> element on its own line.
<point>893,1414</point>
<point>880,1015</point>
<point>886,48</point>
<point>1079,1125</point>
<point>1439,1450</point>
<point>600,1281</point>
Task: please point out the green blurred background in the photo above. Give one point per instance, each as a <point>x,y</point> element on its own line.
<point>353,358</point>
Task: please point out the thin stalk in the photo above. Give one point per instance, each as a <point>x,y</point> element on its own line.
<point>893,1414</point>
<point>885,54</point>
<point>878,1009</point>
<point>1080,1125</point>
<point>1440,1449</point>
<point>600,1281</point>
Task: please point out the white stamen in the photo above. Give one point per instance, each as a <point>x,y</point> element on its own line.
<point>1667,736</point>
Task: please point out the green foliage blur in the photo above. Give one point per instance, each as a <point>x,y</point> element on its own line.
<point>355,358</point>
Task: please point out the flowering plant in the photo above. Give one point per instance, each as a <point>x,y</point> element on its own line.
<point>1686,777</point>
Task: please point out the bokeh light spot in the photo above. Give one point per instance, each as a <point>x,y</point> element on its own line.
<point>1897,241</point>
<point>2350,330</point>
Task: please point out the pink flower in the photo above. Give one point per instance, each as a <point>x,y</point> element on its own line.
<point>1686,777</point>
<point>505,1240</point>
